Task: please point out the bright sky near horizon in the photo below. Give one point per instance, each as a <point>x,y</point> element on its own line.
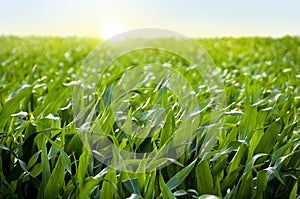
<point>196,18</point>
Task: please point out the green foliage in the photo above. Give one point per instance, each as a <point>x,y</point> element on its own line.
<point>257,153</point>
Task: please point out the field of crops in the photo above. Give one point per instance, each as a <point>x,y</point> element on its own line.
<point>256,153</point>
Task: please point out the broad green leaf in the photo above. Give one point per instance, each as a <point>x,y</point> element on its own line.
<point>261,181</point>
<point>165,190</point>
<point>56,180</point>
<point>279,152</point>
<point>268,140</point>
<point>274,172</point>
<point>168,129</point>
<point>45,169</point>
<point>53,101</point>
<point>246,188</point>
<point>150,185</point>
<point>257,134</point>
<point>293,194</point>
<point>132,185</point>
<point>236,161</point>
<point>179,178</point>
<point>250,165</point>
<point>122,177</point>
<point>82,169</point>
<point>90,183</point>
<point>204,178</point>
<point>248,123</point>
<point>220,165</point>
<point>109,186</point>
<point>13,103</point>
<point>36,170</point>
<point>64,156</point>
<point>230,180</point>
<point>33,159</point>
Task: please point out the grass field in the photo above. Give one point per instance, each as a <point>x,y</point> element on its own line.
<point>257,153</point>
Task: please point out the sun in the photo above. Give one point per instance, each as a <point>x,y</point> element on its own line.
<point>111,29</point>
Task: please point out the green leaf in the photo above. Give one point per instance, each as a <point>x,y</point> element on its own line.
<point>168,129</point>
<point>122,177</point>
<point>53,101</point>
<point>82,169</point>
<point>45,169</point>
<point>179,178</point>
<point>250,165</point>
<point>246,188</point>
<point>204,178</point>
<point>231,179</point>
<point>293,194</point>
<point>109,187</point>
<point>56,180</point>
<point>236,161</point>
<point>262,182</point>
<point>65,157</point>
<point>132,186</point>
<point>279,152</point>
<point>150,185</point>
<point>248,123</point>
<point>165,190</point>
<point>33,159</point>
<point>268,140</point>
<point>13,103</point>
<point>89,184</point>
<point>274,172</point>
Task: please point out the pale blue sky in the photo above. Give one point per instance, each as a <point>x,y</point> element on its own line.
<point>201,18</point>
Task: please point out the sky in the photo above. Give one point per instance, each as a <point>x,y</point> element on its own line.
<point>194,18</point>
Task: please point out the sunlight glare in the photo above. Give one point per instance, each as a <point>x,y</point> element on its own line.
<point>109,30</point>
